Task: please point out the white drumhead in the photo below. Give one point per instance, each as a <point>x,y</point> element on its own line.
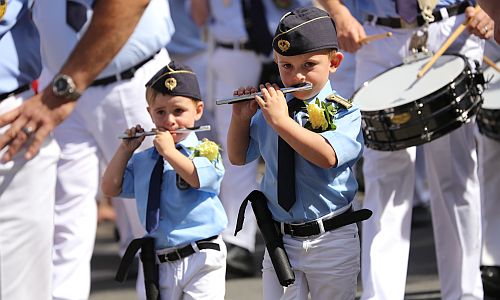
<point>399,85</point>
<point>492,93</point>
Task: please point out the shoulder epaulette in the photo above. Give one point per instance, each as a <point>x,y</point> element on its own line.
<point>339,100</point>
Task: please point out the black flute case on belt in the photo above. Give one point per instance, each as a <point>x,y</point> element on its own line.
<point>271,235</point>
<point>148,253</point>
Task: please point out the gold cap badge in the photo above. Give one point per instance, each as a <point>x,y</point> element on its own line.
<point>284,45</point>
<point>170,83</point>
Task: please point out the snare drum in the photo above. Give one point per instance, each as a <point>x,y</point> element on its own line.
<point>399,111</point>
<point>488,117</point>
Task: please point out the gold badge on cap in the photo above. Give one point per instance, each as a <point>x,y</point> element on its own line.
<point>170,83</point>
<point>3,8</point>
<point>284,45</point>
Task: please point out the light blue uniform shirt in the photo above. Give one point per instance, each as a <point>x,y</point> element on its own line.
<point>227,23</point>
<point>319,191</point>
<point>58,39</point>
<point>187,38</point>
<point>185,215</point>
<point>20,61</point>
<point>387,8</point>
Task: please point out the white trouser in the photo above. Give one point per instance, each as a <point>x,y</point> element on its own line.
<point>27,195</point>
<point>233,69</point>
<point>200,276</point>
<point>489,164</point>
<point>86,137</point>
<point>389,185</point>
<point>325,266</point>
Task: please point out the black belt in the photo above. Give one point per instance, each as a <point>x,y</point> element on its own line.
<point>452,10</point>
<point>314,227</point>
<point>127,74</point>
<point>236,46</point>
<point>17,91</point>
<point>188,250</point>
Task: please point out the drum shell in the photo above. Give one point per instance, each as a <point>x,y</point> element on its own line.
<point>488,117</point>
<point>425,119</point>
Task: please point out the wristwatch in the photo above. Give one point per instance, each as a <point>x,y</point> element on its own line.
<point>63,86</point>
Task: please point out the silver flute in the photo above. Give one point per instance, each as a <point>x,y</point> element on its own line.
<point>181,130</point>
<point>300,87</point>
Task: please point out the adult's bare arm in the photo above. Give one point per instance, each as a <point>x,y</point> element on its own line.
<point>112,24</point>
<point>349,30</point>
<point>200,12</point>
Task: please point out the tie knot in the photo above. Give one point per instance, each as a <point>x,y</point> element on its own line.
<point>295,105</point>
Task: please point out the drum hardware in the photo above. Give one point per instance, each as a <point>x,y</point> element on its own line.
<point>418,41</point>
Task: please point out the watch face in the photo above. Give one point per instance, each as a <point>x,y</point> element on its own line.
<point>61,85</point>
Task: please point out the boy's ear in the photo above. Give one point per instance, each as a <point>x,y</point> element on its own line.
<point>199,110</point>
<point>335,60</point>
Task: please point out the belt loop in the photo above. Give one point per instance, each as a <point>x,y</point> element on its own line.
<point>373,21</point>
<point>282,228</point>
<point>321,226</point>
<point>195,247</point>
<point>119,77</point>
<point>444,13</point>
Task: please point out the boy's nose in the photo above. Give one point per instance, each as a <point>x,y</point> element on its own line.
<point>300,77</point>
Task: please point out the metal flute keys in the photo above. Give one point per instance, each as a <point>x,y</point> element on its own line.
<point>235,99</point>
<point>181,130</point>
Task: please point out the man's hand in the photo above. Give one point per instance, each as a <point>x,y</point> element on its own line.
<point>349,31</point>
<point>32,122</point>
<point>480,23</point>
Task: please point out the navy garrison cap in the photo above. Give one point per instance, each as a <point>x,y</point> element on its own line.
<point>304,30</point>
<point>176,79</point>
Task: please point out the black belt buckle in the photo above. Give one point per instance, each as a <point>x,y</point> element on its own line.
<point>406,25</point>
<point>172,256</point>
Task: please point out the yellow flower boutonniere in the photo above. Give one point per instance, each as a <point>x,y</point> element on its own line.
<point>208,149</point>
<point>321,116</point>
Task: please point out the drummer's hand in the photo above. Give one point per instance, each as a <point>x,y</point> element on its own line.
<point>349,30</point>
<point>31,123</point>
<point>273,104</point>
<point>481,24</point>
<point>246,109</point>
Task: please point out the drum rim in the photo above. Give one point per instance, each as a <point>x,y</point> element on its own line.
<point>399,65</point>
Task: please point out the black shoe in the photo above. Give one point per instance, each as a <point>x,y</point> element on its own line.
<point>491,281</point>
<point>240,262</point>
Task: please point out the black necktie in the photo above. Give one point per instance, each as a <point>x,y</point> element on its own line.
<point>76,15</point>
<point>286,164</point>
<point>254,14</point>
<point>153,207</point>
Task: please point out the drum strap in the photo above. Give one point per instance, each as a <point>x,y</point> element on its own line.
<point>427,6</point>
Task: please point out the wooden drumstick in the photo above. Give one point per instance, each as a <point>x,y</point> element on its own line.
<point>446,44</point>
<point>374,37</point>
<point>491,63</point>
